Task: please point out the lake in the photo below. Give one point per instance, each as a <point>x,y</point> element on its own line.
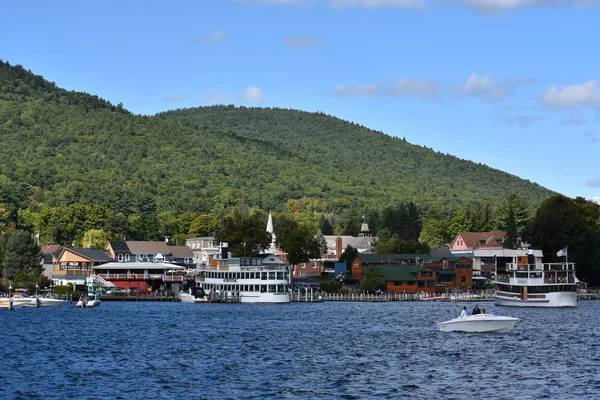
<point>324,350</point>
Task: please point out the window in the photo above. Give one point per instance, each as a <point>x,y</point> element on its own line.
<point>427,274</point>
<point>421,284</point>
<point>120,257</point>
<point>127,257</point>
<point>463,279</point>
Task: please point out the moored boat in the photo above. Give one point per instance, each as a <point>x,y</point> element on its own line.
<point>480,323</point>
<point>527,282</point>
<point>195,295</point>
<point>258,279</point>
<point>92,299</point>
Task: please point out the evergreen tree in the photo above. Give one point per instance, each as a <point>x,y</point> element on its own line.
<point>20,254</point>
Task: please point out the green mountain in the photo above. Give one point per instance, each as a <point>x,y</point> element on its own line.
<point>60,148</point>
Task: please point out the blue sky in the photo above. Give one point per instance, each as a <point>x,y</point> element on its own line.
<point>513,84</point>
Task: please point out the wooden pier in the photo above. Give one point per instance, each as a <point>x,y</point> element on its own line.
<point>312,297</point>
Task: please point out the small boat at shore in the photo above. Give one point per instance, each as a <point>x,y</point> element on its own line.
<point>480,323</point>
<point>195,295</point>
<point>92,299</point>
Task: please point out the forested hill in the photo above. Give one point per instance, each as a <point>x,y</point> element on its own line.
<point>355,160</point>
<point>60,148</point>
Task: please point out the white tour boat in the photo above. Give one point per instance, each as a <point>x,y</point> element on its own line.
<point>258,279</point>
<point>480,323</point>
<point>531,283</point>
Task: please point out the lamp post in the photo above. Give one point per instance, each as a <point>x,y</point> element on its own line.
<point>10,298</point>
<point>37,297</point>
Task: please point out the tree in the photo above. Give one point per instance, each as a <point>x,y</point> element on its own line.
<point>95,239</point>
<point>559,222</point>
<point>373,280</point>
<point>459,223</point>
<point>399,246</point>
<point>20,254</point>
<point>245,233</point>
<point>300,246</point>
<point>434,233</point>
<point>348,256</point>
<point>322,242</point>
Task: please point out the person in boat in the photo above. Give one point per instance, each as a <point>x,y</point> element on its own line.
<point>483,310</point>
<point>463,313</point>
<point>476,310</point>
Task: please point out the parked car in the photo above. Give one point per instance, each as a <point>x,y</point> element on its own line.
<point>134,290</point>
<point>118,291</point>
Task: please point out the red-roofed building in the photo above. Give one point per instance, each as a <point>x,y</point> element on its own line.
<point>468,241</point>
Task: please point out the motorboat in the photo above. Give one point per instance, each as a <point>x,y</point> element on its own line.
<point>479,323</point>
<point>14,302</point>
<point>195,295</point>
<point>93,295</point>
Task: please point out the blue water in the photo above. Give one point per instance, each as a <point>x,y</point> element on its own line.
<point>295,351</point>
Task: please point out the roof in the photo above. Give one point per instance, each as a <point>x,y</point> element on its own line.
<point>440,252</point>
<point>400,272</point>
<point>146,247</point>
<point>388,258</point>
<point>181,251</point>
<point>473,239</point>
<point>139,265</point>
<point>119,246</point>
<point>92,254</point>
<point>361,243</point>
<point>505,253</point>
<point>50,248</point>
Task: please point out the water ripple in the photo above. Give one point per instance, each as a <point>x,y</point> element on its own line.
<point>297,351</point>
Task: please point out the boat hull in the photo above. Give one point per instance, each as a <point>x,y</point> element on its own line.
<point>271,298</point>
<point>557,299</point>
<point>88,303</point>
<point>188,298</point>
<point>16,303</point>
<point>482,323</point>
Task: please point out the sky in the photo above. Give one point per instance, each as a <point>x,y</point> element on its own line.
<point>512,84</point>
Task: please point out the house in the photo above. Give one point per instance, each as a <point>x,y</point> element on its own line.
<point>139,251</point>
<point>74,265</point>
<point>49,252</point>
<point>364,261</point>
<point>469,241</point>
<point>337,244</point>
<point>409,279</point>
<point>147,265</point>
<point>204,249</point>
<point>416,273</point>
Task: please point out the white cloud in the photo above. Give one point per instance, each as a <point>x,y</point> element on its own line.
<point>302,41</point>
<point>574,121</point>
<point>585,95</point>
<point>415,4</point>
<point>253,94</point>
<point>175,99</point>
<point>217,36</point>
<point>298,3</point>
<point>490,89</point>
<point>406,86</point>
<point>523,120</point>
<point>589,135</point>
<point>593,182</point>
<point>216,98</point>
<point>500,6</point>
<point>595,199</point>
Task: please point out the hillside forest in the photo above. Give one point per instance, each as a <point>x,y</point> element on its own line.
<point>78,170</point>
